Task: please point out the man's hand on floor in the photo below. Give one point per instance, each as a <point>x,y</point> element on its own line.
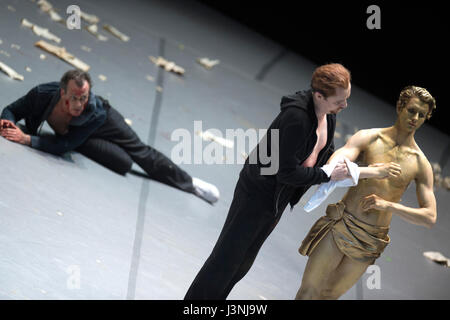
<point>11,132</point>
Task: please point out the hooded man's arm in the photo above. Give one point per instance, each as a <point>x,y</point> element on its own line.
<point>293,135</point>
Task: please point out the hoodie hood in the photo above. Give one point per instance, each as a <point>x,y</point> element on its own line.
<point>301,99</point>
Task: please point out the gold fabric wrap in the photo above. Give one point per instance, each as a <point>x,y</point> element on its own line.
<point>356,239</point>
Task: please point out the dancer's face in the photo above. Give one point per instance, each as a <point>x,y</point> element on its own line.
<point>413,115</point>
<point>338,101</point>
<point>335,103</point>
<point>76,98</point>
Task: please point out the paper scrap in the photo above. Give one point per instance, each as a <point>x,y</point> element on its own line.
<point>128,122</point>
<point>437,257</point>
<point>10,72</point>
<point>92,19</point>
<point>11,8</point>
<point>159,89</point>
<point>436,167</point>
<point>44,5</point>
<point>5,53</point>
<point>116,32</point>
<point>61,52</point>
<point>167,65</point>
<point>446,183</point>
<point>42,32</point>
<point>208,136</point>
<point>42,56</point>
<point>150,78</point>
<point>59,213</point>
<point>87,49</point>
<point>28,69</point>
<point>207,63</point>
<point>55,16</point>
<point>93,29</point>
<point>15,46</point>
<point>102,77</point>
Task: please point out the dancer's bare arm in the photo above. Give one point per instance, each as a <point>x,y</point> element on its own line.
<point>355,145</point>
<point>426,214</point>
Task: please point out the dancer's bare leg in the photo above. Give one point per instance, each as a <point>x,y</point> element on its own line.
<point>325,258</point>
<point>343,278</point>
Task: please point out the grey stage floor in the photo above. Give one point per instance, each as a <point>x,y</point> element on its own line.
<point>71,229</point>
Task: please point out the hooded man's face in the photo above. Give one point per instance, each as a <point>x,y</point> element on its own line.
<point>75,98</point>
<point>338,102</point>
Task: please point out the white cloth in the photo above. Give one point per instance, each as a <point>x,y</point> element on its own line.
<point>325,189</point>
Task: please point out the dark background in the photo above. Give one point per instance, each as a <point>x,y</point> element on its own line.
<point>407,50</point>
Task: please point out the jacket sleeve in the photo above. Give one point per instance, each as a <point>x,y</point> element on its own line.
<point>20,108</point>
<point>330,151</point>
<point>293,135</point>
<point>59,144</point>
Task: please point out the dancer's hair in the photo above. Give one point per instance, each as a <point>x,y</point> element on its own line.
<point>78,76</point>
<point>328,77</point>
<point>418,92</point>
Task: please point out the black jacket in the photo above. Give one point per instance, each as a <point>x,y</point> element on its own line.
<point>37,105</point>
<point>297,124</point>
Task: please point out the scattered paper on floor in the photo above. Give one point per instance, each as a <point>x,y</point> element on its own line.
<point>87,49</point>
<point>150,78</point>
<point>5,53</point>
<point>55,16</point>
<point>90,18</point>
<point>128,122</point>
<point>10,72</point>
<point>102,77</point>
<point>42,56</point>
<point>42,32</point>
<point>93,29</point>
<point>207,63</point>
<point>167,65</point>
<point>11,8</point>
<point>446,183</point>
<point>208,136</point>
<point>15,46</point>
<point>159,89</point>
<point>116,33</point>
<point>44,5</point>
<point>61,52</point>
<point>28,69</point>
<point>437,257</point>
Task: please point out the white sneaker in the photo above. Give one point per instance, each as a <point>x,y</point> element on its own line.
<point>205,190</point>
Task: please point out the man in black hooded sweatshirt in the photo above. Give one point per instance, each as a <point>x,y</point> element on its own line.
<point>306,127</point>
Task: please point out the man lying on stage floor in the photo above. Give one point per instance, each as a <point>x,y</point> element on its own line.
<point>359,223</point>
<point>86,122</point>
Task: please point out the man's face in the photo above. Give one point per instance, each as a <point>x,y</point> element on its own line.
<point>337,102</point>
<point>413,115</point>
<point>76,98</point>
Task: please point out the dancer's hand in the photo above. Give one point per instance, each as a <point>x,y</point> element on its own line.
<point>15,134</point>
<point>374,202</point>
<point>6,124</point>
<point>340,172</point>
<point>387,170</point>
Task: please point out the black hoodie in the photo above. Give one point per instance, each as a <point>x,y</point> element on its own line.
<point>297,124</point>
